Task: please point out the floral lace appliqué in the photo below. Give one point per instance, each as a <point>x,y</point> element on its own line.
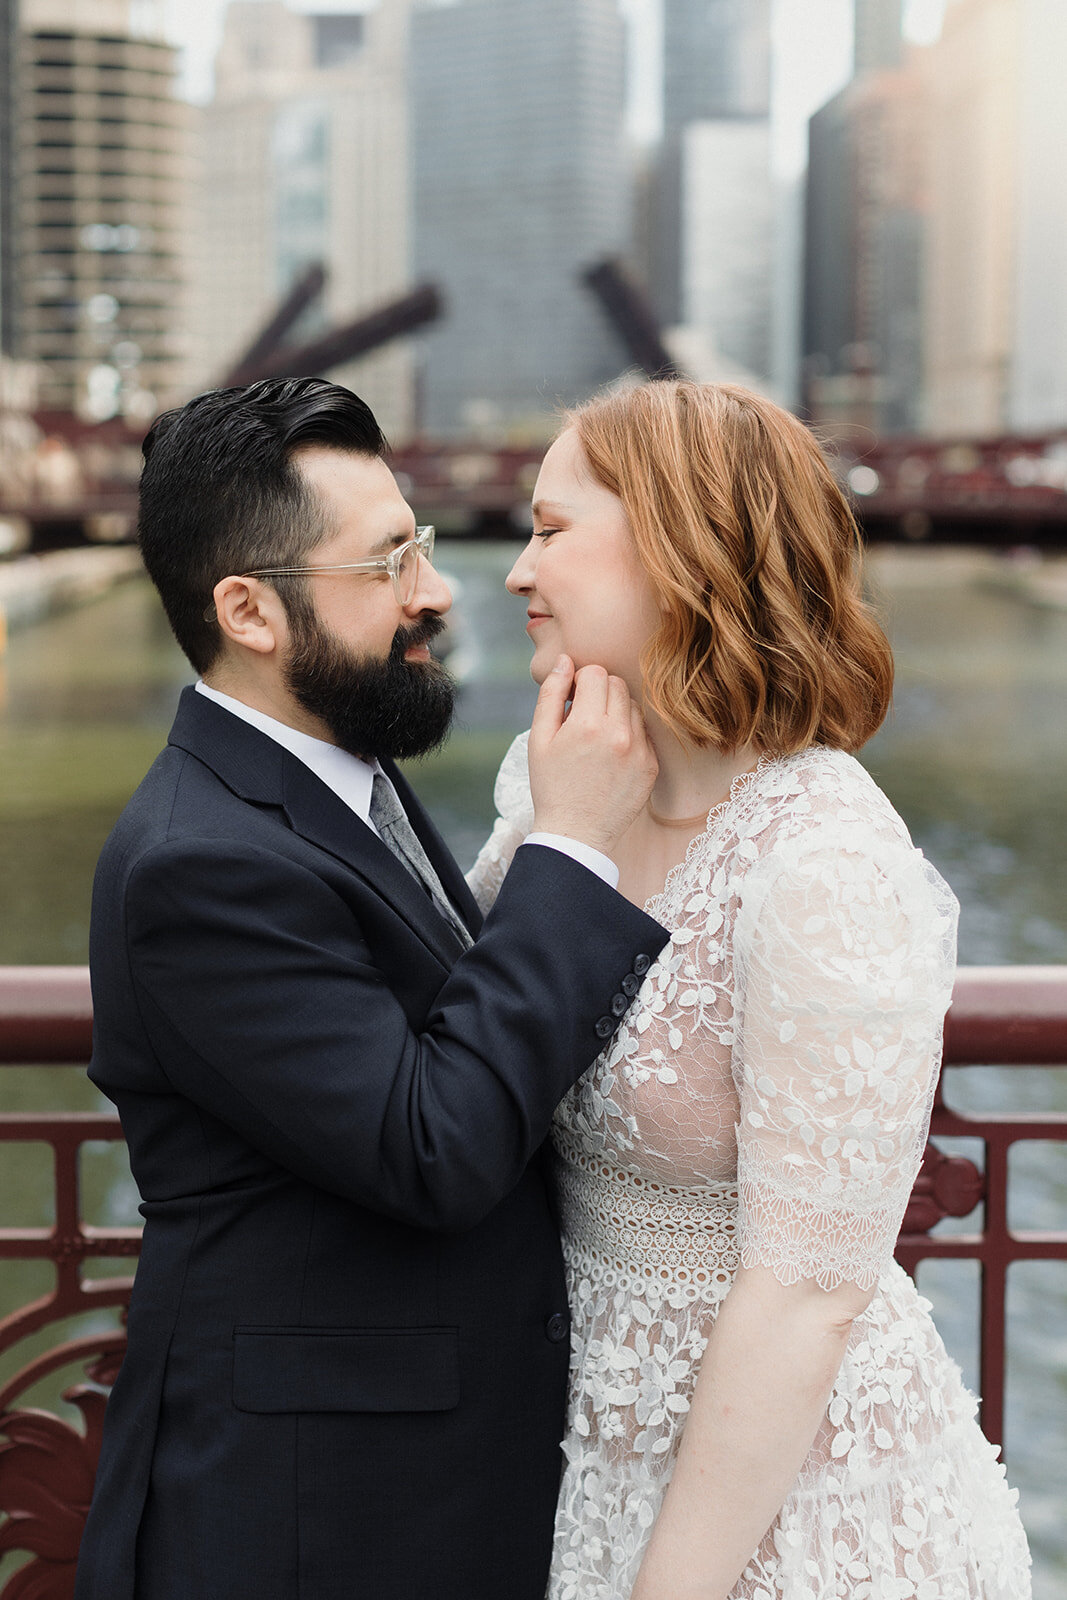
<point>765,1101</point>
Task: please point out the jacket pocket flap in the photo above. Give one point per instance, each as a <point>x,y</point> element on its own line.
<point>345,1369</point>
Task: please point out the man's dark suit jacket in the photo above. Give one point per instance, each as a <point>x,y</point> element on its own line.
<point>348,1335</point>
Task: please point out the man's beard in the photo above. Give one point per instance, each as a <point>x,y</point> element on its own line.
<point>372,706</point>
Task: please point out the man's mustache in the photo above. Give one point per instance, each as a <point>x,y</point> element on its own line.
<point>431,626</point>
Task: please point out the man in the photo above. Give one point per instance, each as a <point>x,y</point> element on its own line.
<point>348,1333</point>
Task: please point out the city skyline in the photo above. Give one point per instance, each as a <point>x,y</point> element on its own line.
<point>814,37</point>
<point>812,43</point>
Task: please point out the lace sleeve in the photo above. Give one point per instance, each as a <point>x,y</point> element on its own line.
<point>844,955</point>
<point>514,821</point>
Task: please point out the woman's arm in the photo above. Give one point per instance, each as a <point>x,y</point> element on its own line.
<point>843,967</point>
<point>772,1357</point>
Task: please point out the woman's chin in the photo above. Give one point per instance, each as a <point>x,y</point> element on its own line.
<point>541,666</point>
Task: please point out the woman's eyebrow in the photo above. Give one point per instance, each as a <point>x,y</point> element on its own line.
<point>541,506</point>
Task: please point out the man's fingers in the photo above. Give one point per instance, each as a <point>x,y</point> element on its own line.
<point>590,691</point>
<point>640,739</point>
<point>552,700</point>
<point>618,703</point>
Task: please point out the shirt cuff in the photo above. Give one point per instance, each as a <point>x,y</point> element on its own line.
<point>584,854</point>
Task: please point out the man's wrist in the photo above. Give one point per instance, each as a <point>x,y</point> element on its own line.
<point>585,854</point>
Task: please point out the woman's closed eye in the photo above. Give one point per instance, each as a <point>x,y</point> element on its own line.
<point>546,533</point>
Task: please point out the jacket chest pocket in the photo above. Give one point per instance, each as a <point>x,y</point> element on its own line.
<point>345,1369</point>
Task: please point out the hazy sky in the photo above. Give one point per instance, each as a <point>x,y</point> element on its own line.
<point>813,41</point>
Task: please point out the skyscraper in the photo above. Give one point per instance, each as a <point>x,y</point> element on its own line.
<point>710,264</point>
<point>8,127</point>
<point>521,181</point>
<point>865,218</point>
<point>97,238</point>
<point>878,33</point>
<point>304,159</point>
<point>716,60</point>
<point>995,306</point>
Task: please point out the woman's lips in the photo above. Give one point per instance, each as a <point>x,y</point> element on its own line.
<point>536,617</point>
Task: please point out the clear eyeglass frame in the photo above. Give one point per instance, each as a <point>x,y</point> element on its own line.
<point>401,563</point>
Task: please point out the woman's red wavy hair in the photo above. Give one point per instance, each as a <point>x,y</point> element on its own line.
<point>753,549</point>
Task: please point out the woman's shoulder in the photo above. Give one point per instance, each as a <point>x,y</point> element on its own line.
<point>833,834</point>
<point>819,788</point>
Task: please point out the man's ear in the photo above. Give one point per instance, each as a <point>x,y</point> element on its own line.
<point>250,614</point>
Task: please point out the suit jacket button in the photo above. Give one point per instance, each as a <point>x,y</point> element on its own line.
<point>630,984</point>
<point>605,1027</point>
<point>641,964</point>
<point>557,1327</point>
<point>619,1004</point>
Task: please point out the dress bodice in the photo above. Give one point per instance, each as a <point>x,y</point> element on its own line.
<point>787,1039</point>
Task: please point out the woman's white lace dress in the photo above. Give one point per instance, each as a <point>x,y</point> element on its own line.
<point>766,1101</point>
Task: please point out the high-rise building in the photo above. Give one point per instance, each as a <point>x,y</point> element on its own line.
<point>866,205</point>
<point>713,202</point>
<point>8,129</point>
<point>305,159</point>
<point>716,71</point>
<point>727,234</point>
<point>1039,356</point>
<point>716,60</point>
<point>521,182</point>
<point>996,283</point>
<point>878,35</point>
<point>97,221</point>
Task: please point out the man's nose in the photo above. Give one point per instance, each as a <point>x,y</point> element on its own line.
<point>521,576</point>
<point>431,591</point>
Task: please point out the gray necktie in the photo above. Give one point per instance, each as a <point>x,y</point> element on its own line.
<point>397,834</point>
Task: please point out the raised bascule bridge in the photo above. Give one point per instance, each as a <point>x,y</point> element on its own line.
<point>995,492</point>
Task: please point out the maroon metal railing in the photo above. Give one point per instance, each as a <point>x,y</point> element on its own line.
<point>999,1017</point>
<point>1008,1017</point>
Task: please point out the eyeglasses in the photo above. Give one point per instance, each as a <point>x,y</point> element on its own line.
<point>402,565</point>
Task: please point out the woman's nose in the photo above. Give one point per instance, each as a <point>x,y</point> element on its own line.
<point>520,578</point>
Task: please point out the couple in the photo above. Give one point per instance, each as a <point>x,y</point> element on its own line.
<point>711,963</point>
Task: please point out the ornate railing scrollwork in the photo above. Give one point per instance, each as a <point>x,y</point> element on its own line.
<point>47,1464</point>
<point>999,1016</point>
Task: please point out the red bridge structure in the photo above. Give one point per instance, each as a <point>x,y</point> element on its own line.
<point>1002,492</point>
<point>81,484</point>
<point>1007,1017</point>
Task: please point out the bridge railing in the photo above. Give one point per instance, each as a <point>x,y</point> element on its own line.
<point>1005,1017</point>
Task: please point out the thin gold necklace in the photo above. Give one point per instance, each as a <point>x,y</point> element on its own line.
<point>702,816</point>
<point>675,822</point>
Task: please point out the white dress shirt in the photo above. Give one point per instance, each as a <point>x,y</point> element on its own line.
<point>351,779</point>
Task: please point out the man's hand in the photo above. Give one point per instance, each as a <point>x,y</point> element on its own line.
<point>590,771</point>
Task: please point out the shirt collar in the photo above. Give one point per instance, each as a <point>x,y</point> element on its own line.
<point>347,775</point>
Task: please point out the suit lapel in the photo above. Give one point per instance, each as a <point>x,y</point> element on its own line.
<point>259,770</point>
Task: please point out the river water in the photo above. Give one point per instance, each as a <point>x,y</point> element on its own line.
<point>974,757</point>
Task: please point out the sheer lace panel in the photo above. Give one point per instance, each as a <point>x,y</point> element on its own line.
<point>514,821</point>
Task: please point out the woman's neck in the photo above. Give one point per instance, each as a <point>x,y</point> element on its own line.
<point>692,779</point>
<point>691,782</point>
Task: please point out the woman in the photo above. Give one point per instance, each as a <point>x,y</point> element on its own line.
<point>760,1405</point>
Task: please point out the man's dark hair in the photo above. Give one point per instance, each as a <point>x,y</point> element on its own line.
<point>220,493</point>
